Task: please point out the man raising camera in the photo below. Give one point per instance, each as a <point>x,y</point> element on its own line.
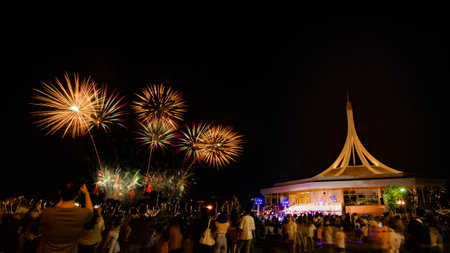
<point>62,225</point>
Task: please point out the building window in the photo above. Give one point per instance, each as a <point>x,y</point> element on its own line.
<point>303,197</point>
<point>360,197</point>
<point>299,198</point>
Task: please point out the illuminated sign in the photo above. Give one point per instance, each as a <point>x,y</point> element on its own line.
<point>336,208</point>
<point>333,199</point>
<point>258,201</point>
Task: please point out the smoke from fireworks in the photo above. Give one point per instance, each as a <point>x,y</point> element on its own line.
<point>220,145</point>
<point>159,101</point>
<point>66,106</point>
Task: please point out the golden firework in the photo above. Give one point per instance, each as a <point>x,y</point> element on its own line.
<point>156,133</point>
<point>217,146</point>
<point>220,146</point>
<point>66,106</point>
<point>158,101</point>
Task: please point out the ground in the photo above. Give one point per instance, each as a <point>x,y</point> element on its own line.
<point>276,245</point>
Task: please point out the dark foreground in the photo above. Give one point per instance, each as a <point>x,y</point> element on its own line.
<point>274,245</point>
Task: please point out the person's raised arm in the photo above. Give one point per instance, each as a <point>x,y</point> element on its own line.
<point>87,198</point>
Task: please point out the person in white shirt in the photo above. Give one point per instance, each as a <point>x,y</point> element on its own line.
<point>311,232</point>
<point>329,230</point>
<point>301,235</point>
<point>395,241</point>
<point>246,228</point>
<point>340,239</point>
<point>290,232</point>
<point>110,243</point>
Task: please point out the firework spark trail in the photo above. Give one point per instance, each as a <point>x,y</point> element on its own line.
<point>181,180</point>
<point>96,151</point>
<point>215,145</point>
<point>157,133</point>
<point>77,106</point>
<point>190,143</point>
<point>70,107</point>
<point>160,107</point>
<point>66,106</point>
<point>159,101</point>
<point>107,111</point>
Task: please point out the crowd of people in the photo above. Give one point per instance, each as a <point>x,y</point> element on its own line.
<point>332,233</point>
<point>70,226</point>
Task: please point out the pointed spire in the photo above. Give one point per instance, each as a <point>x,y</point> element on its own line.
<point>352,144</point>
<point>349,105</point>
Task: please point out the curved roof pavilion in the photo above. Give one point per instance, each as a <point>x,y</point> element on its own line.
<point>352,148</point>
<point>354,167</point>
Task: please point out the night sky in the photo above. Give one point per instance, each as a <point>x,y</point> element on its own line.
<point>281,82</point>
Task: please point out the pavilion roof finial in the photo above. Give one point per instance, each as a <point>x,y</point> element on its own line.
<point>352,148</point>
<point>349,105</point>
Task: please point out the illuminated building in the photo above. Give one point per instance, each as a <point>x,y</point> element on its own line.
<point>354,183</point>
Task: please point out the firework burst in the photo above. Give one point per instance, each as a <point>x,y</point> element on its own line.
<point>165,183</point>
<point>157,133</point>
<point>159,101</point>
<point>220,145</point>
<point>190,141</point>
<point>108,109</point>
<point>117,183</point>
<point>217,146</point>
<point>66,106</point>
